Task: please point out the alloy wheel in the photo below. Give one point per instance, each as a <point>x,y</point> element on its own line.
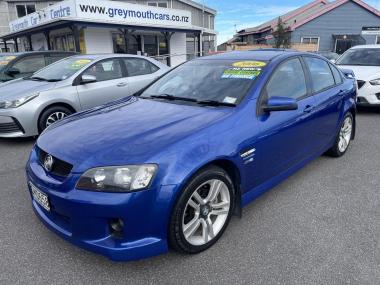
<point>206,212</point>
<point>55,117</point>
<point>345,134</point>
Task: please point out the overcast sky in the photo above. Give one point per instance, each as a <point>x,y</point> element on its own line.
<point>250,13</point>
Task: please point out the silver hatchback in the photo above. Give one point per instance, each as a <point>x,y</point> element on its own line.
<point>29,105</point>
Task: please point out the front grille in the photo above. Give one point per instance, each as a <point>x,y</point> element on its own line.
<point>7,128</point>
<point>362,100</point>
<point>361,83</point>
<point>60,167</point>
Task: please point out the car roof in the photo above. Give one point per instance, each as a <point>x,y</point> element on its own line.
<point>106,55</point>
<point>263,55</point>
<point>36,52</point>
<point>366,46</point>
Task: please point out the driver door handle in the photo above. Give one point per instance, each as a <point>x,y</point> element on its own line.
<point>308,109</point>
<point>122,84</point>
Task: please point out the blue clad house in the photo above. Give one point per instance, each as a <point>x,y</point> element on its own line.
<point>332,26</point>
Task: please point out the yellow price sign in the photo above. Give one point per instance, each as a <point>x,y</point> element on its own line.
<point>80,63</point>
<point>249,64</point>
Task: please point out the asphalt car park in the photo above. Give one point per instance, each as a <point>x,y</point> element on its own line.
<point>320,226</point>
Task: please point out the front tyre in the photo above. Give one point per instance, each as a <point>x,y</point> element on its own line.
<point>202,212</point>
<point>344,137</point>
<point>51,116</point>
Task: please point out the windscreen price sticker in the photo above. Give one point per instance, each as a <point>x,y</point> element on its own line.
<point>241,73</point>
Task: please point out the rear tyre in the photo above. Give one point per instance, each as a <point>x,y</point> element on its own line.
<point>51,116</point>
<point>202,212</point>
<point>344,137</point>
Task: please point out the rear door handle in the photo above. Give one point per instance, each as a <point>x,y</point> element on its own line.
<point>122,84</point>
<point>308,109</point>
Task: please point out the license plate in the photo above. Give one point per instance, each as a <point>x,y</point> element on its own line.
<point>40,197</point>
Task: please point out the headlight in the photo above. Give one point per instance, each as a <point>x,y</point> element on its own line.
<point>18,102</point>
<point>118,178</point>
<point>375,81</point>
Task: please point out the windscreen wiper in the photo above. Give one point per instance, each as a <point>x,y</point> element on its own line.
<point>215,103</point>
<point>172,97</point>
<point>42,79</point>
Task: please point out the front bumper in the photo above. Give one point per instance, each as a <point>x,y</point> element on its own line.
<point>83,217</point>
<point>368,95</point>
<point>18,122</point>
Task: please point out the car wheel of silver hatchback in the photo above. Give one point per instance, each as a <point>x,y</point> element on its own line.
<point>203,211</point>
<point>52,115</point>
<point>55,117</point>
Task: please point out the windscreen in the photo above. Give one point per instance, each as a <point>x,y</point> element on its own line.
<point>366,57</point>
<point>225,81</point>
<point>5,59</point>
<point>63,69</point>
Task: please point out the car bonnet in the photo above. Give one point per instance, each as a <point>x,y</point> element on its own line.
<point>130,132</point>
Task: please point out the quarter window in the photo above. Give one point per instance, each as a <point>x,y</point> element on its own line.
<point>30,64</point>
<point>105,70</point>
<point>321,76</point>
<point>287,81</point>
<point>138,66</point>
<point>337,75</point>
<point>25,9</point>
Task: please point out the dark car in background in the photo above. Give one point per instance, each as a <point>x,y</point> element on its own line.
<point>24,64</point>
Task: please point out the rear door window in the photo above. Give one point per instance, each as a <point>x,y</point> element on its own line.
<point>321,75</point>
<point>139,66</point>
<point>288,81</point>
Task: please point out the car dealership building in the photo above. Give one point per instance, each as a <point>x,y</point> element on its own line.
<point>179,28</point>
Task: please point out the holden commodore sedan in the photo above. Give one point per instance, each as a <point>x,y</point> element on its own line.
<point>170,165</point>
<point>28,105</point>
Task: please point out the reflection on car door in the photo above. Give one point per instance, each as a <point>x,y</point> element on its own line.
<point>110,85</point>
<point>140,72</point>
<point>287,136</point>
<point>326,84</point>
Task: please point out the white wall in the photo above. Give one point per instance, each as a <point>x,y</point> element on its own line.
<point>39,42</point>
<point>98,40</point>
<point>178,48</point>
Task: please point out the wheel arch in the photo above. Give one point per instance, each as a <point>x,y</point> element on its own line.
<point>232,170</point>
<point>353,111</point>
<point>60,104</point>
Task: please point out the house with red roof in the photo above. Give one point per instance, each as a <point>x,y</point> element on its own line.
<point>332,26</point>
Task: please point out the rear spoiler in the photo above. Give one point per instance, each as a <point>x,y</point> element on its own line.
<point>348,73</point>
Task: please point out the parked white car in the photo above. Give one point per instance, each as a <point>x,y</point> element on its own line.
<point>29,105</point>
<point>365,62</point>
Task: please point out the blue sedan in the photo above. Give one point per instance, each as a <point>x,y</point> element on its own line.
<point>169,166</point>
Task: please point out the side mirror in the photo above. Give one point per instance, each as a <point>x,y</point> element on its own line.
<point>280,104</point>
<point>12,71</point>
<point>88,79</point>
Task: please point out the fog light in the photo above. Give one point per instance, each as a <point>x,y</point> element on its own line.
<point>116,227</point>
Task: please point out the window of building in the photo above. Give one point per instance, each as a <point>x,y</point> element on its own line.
<point>138,66</point>
<point>321,76</point>
<point>378,40</point>
<point>105,70</point>
<point>310,40</point>
<point>158,4</point>
<point>292,73</point>
<point>25,9</point>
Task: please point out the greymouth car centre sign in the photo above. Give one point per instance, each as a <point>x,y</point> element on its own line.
<point>106,12</point>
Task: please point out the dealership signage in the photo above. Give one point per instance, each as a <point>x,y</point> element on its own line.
<point>371,30</point>
<point>106,12</point>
